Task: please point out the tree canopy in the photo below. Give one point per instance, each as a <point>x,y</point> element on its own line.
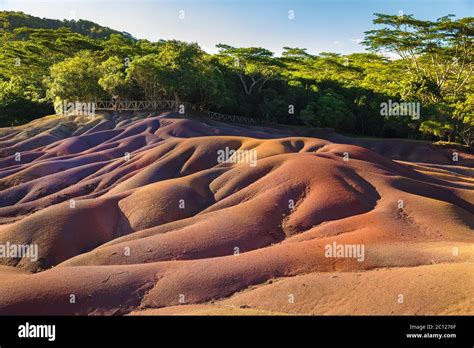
<point>43,61</point>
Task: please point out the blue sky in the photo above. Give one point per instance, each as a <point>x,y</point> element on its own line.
<point>318,25</point>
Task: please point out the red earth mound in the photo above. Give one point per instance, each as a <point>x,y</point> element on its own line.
<point>147,215</point>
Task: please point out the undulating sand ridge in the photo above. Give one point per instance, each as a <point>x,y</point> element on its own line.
<point>138,215</point>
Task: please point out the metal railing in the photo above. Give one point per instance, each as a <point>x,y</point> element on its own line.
<point>137,105</point>
<point>231,118</point>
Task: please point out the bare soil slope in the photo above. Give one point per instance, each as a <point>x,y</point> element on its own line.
<point>139,216</point>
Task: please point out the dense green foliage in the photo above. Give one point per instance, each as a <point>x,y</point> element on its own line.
<point>45,61</point>
<point>10,21</point>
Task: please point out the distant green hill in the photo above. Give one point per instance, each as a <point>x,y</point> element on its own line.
<point>10,21</point>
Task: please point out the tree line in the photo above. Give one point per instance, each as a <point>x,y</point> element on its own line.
<point>40,66</point>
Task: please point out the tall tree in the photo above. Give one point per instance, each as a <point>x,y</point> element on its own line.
<point>75,79</point>
<point>253,65</point>
<point>174,72</point>
<point>113,77</point>
<point>439,54</point>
